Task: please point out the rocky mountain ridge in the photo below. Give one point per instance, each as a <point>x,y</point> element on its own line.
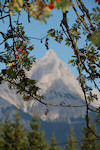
<point>57,83</point>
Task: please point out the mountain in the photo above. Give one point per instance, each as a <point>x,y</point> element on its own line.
<point>8,108</point>
<point>57,83</point>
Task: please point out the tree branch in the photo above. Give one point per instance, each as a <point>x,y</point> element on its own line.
<point>64,21</point>
<point>84,23</point>
<point>87,15</point>
<point>3,17</point>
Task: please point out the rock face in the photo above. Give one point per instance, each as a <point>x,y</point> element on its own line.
<point>57,83</point>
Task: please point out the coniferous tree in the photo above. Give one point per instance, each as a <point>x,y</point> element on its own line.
<point>1,138</point>
<point>90,141</point>
<point>12,135</point>
<point>7,135</point>
<point>53,143</point>
<point>71,139</point>
<point>1,141</point>
<point>20,141</point>
<point>35,137</point>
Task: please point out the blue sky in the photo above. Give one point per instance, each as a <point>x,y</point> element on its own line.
<point>34,29</point>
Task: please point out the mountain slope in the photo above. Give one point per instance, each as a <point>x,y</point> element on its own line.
<point>50,68</point>
<point>7,108</point>
<point>57,83</point>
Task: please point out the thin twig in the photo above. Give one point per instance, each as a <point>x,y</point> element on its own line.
<point>4,17</point>
<point>94,110</point>
<point>59,105</point>
<point>84,23</point>
<point>37,38</point>
<point>87,16</point>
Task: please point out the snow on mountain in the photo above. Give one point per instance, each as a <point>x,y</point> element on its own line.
<point>11,97</point>
<point>50,68</point>
<point>57,83</point>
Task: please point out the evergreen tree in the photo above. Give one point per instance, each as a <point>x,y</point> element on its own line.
<point>1,142</point>
<point>7,135</point>
<point>20,141</point>
<point>71,139</point>
<point>35,137</point>
<point>89,139</point>
<point>12,135</point>
<point>1,138</point>
<point>53,143</point>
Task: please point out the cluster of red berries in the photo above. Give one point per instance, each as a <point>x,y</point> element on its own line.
<point>51,5</point>
<point>17,55</point>
<point>19,52</point>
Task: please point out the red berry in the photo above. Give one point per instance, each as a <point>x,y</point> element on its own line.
<point>13,66</point>
<point>50,6</point>
<point>16,47</point>
<point>19,51</point>
<point>16,56</point>
<point>22,52</point>
<point>57,1</point>
<point>98,0</point>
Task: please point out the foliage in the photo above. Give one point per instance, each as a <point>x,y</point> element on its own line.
<point>20,141</point>
<point>35,137</point>
<point>38,9</point>
<point>70,141</point>
<point>16,57</point>
<point>13,135</point>
<point>90,141</point>
<point>53,143</point>
<point>6,135</point>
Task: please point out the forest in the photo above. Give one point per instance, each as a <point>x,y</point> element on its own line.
<point>14,136</point>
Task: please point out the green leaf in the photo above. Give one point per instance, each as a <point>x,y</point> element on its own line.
<point>94,9</point>
<point>95,37</point>
<point>47,12</point>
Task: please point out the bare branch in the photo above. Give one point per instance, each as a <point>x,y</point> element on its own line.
<point>59,105</point>
<point>84,23</point>
<point>86,14</point>
<point>94,110</point>
<point>3,17</point>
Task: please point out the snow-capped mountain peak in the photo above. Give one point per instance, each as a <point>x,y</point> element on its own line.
<point>58,84</point>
